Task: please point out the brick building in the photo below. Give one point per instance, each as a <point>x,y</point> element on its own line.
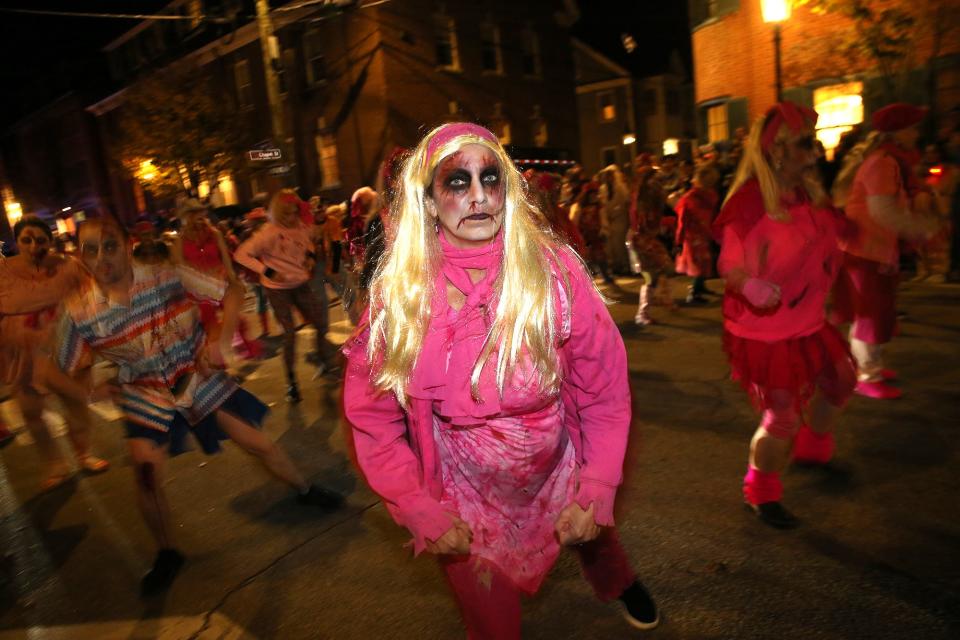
<point>733,55</point>
<point>357,80</point>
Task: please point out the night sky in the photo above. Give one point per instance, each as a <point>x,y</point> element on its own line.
<point>43,57</point>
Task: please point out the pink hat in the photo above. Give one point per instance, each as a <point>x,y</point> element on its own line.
<point>789,113</point>
<point>897,116</point>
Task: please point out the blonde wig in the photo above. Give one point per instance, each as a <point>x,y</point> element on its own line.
<point>756,163</point>
<point>852,162</point>
<point>403,285</point>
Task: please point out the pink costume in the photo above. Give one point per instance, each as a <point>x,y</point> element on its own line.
<point>282,249</point>
<point>695,211</point>
<point>505,465</point>
<point>203,275</point>
<point>28,302</point>
<point>780,355</point>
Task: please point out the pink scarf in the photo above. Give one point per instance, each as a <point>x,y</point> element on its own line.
<point>455,337</point>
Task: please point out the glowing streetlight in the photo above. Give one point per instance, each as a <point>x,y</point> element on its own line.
<point>147,171</point>
<point>776,11</point>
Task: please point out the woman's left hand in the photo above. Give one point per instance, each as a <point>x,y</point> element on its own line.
<point>576,526</point>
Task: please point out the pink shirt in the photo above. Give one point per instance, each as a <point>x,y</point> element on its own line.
<point>800,256</point>
<point>879,175</point>
<point>283,249</point>
<point>398,452</point>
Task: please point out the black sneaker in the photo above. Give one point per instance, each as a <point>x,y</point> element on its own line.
<point>638,608</point>
<point>293,393</point>
<point>695,298</point>
<point>165,569</point>
<point>773,514</point>
<point>317,496</point>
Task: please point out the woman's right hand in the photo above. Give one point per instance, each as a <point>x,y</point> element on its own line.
<point>760,293</point>
<point>455,541</point>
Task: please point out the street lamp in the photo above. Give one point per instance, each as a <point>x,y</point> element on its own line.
<point>628,136</point>
<point>776,11</point>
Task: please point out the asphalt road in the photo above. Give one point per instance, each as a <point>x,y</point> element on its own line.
<point>876,556</point>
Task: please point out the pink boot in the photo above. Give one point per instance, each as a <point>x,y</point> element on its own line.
<point>811,447</point>
<point>877,390</point>
<point>761,486</point>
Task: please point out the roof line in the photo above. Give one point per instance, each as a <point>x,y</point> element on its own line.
<point>599,57</point>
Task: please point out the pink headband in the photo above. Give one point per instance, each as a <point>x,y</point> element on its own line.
<point>448,132</point>
<point>788,113</point>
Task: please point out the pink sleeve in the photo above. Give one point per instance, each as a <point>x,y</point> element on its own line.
<point>390,466</point>
<point>597,376</point>
<point>731,252</point>
<point>882,177</point>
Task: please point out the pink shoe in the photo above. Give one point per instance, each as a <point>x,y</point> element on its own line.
<point>877,390</point>
<point>888,374</point>
<point>811,448</point>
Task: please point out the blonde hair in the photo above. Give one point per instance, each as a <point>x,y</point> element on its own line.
<point>755,163</point>
<point>852,162</point>
<point>403,285</point>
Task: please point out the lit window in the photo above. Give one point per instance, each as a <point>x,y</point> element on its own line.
<point>608,110</point>
<point>326,145</point>
<point>491,58</point>
<point>530,53</point>
<point>840,107</point>
<point>717,125</point>
<point>241,75</point>
<point>448,57</point>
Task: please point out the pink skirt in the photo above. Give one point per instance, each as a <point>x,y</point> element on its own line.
<point>797,365</point>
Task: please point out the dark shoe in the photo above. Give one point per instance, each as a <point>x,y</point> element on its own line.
<point>165,569</point>
<point>773,514</point>
<point>293,393</point>
<point>695,298</point>
<point>316,496</point>
<point>638,608</point>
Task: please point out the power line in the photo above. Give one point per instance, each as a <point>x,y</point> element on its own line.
<point>83,14</point>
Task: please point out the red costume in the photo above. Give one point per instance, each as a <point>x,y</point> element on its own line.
<point>695,211</point>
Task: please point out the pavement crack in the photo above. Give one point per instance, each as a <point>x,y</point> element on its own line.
<point>208,616</point>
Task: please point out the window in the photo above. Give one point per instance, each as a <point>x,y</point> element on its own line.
<point>673,102</point>
<point>608,156</point>
<point>648,102</point>
<point>717,126</point>
<point>530,53</point>
<point>491,58</point>
<point>839,106</point>
<point>448,57</point>
<point>608,110</point>
<point>316,61</point>
<point>241,76</point>
<point>326,144</point>
<point>283,78</point>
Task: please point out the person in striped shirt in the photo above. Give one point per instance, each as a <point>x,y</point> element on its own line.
<point>140,318</point>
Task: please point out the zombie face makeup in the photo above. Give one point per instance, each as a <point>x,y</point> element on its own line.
<point>800,154</point>
<point>104,252</point>
<point>33,243</point>
<point>468,194</point>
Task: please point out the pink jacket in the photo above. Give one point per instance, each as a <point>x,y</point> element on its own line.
<point>396,448</point>
<point>283,249</point>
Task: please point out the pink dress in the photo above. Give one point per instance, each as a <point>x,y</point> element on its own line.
<point>506,466</point>
<point>28,301</point>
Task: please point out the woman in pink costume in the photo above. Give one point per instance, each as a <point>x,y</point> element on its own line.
<point>695,212</point>
<point>206,270</point>
<point>487,388</point>
<point>779,255</point>
<point>880,192</point>
<point>32,285</point>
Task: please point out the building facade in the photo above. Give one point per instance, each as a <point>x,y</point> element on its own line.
<point>356,81</point>
<point>622,115</point>
<point>734,66</point>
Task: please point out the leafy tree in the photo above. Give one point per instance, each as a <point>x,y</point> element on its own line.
<point>176,130</point>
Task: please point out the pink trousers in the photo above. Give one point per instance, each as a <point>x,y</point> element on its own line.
<point>490,603</point>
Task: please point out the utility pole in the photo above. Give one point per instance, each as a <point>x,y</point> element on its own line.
<point>271,60</point>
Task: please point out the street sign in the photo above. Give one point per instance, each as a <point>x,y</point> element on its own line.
<point>264,154</point>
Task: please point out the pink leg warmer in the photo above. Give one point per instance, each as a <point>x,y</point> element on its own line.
<point>811,447</point>
<point>762,486</point>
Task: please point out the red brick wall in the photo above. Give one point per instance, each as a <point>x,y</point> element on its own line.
<point>734,55</point>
